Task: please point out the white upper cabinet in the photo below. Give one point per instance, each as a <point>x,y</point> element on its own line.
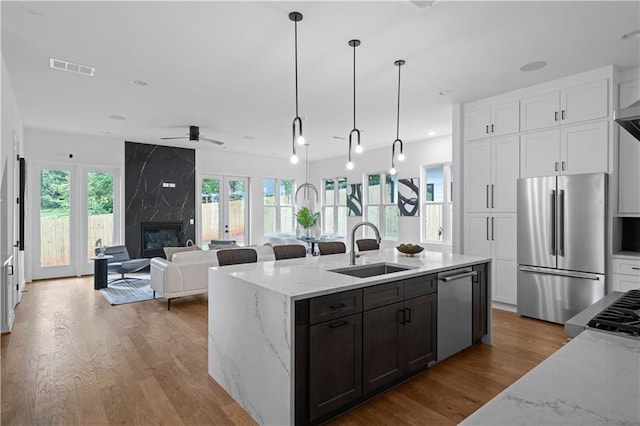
<point>567,151</point>
<point>574,104</point>
<point>629,158</point>
<point>491,171</point>
<point>496,120</point>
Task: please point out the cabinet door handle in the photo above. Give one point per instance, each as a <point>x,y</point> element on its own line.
<point>556,166</point>
<point>635,268</point>
<point>487,129</point>
<point>555,116</point>
<point>563,165</point>
<point>408,315</point>
<point>492,131</point>
<point>338,324</point>
<point>562,116</point>
<point>487,228</point>
<point>492,199</point>
<point>492,228</point>
<point>487,192</point>
<point>337,306</point>
<point>401,317</point>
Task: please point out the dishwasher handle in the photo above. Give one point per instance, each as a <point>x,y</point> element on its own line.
<point>459,276</point>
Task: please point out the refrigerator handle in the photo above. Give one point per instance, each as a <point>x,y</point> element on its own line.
<point>559,272</point>
<point>561,222</point>
<point>552,221</point>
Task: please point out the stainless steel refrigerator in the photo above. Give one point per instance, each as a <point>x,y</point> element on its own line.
<point>561,244</point>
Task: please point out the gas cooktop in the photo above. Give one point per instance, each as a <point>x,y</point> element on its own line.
<point>622,316</point>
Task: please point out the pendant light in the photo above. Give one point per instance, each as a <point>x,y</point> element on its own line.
<point>354,43</point>
<point>393,170</point>
<point>296,17</point>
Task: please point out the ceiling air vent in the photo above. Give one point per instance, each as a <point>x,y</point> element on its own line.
<point>59,64</point>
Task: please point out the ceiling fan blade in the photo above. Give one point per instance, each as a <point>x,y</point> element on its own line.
<point>211,140</point>
<point>180,137</point>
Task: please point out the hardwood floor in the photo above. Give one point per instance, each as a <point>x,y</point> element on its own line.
<point>72,359</point>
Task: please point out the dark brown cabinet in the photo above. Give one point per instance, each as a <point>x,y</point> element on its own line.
<point>335,364</point>
<point>399,338</point>
<point>479,302</point>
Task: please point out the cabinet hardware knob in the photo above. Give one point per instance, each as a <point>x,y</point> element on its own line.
<point>337,306</point>
<point>563,165</point>
<point>492,131</point>
<point>487,129</point>
<point>563,117</point>
<point>556,166</point>
<point>555,116</point>
<point>402,317</point>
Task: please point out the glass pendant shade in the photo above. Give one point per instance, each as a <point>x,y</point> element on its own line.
<point>399,63</point>
<point>354,132</point>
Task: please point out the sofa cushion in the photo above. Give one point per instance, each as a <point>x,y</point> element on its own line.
<point>169,252</point>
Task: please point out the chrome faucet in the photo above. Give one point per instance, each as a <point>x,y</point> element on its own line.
<point>352,260</point>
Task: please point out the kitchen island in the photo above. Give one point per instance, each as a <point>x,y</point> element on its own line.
<point>276,328</point>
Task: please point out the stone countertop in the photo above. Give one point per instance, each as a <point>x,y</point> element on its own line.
<point>593,379</point>
<point>631,255</point>
<point>311,276</point>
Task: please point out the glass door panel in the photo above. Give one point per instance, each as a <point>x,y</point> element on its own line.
<point>100,212</point>
<point>210,210</point>
<point>236,225</point>
<point>55,199</point>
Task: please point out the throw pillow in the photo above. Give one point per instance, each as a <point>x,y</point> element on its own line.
<point>170,251</point>
<point>213,246</point>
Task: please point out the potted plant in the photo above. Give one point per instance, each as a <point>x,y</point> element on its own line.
<point>306,219</point>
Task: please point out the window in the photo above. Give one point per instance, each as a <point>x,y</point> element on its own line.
<point>277,206</point>
<point>381,204</point>
<point>437,206</point>
<point>334,217</point>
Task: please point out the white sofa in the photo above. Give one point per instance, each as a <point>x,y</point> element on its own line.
<point>187,273</point>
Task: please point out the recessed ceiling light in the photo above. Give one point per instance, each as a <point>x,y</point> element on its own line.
<point>444,92</point>
<point>104,132</point>
<point>631,34</point>
<point>62,65</point>
<point>116,117</point>
<point>533,66</point>
<point>338,138</point>
<point>140,83</point>
<point>248,137</point>
<point>431,133</point>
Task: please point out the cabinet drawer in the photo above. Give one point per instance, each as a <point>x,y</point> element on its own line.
<point>332,306</point>
<point>625,282</point>
<point>419,286</point>
<point>383,294</point>
<point>627,267</point>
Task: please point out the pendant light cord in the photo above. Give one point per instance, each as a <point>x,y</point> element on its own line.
<point>296,60</point>
<point>354,87</point>
<point>398,116</point>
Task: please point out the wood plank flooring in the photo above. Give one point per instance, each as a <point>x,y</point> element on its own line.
<point>73,359</point>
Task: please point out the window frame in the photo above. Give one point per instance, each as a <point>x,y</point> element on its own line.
<point>278,206</point>
<point>335,205</point>
<point>382,205</point>
<point>447,203</point>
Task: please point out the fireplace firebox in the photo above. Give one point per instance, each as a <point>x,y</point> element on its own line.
<point>157,235</point>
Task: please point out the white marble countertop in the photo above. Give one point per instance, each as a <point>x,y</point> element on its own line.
<point>632,255</point>
<point>593,380</point>
<point>311,276</point>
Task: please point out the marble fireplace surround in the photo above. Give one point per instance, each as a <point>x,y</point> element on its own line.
<point>159,186</point>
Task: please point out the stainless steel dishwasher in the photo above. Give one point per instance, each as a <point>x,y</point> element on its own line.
<point>454,311</point>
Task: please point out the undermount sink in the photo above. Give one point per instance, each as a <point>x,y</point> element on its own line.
<point>372,270</point>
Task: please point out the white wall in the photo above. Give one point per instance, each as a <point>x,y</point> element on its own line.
<point>418,154</point>
<point>10,145</point>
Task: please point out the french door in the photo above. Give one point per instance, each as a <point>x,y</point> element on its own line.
<point>224,209</point>
<point>74,207</point>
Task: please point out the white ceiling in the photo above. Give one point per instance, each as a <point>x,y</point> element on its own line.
<point>228,66</point>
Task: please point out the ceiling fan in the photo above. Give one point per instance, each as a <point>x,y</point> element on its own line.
<point>194,135</point>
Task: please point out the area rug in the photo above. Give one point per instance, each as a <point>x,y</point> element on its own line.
<point>127,291</point>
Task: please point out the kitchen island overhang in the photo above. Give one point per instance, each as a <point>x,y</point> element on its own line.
<point>252,320</point>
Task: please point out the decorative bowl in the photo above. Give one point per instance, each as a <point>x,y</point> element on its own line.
<point>409,251</point>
